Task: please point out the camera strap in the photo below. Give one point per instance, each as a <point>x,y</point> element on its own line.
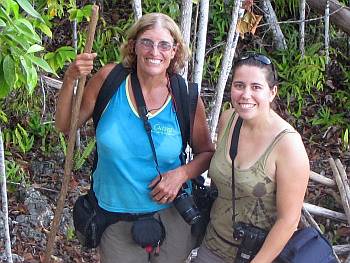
<point>233,153</point>
<point>142,110</point>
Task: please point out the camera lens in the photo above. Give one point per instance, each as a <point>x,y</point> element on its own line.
<point>187,208</point>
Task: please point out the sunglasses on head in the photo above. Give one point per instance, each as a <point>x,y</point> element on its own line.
<point>260,58</point>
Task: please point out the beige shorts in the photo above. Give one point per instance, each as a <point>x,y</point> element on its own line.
<point>117,245</point>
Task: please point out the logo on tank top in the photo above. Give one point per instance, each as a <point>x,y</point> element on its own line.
<point>162,129</point>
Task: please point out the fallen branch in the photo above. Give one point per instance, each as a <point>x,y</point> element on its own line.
<point>310,219</point>
<point>71,142</point>
<point>322,179</point>
<point>342,249</point>
<point>320,211</point>
<point>344,178</point>
<point>341,187</point>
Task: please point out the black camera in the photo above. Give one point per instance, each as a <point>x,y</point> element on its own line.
<point>185,205</point>
<point>252,238</point>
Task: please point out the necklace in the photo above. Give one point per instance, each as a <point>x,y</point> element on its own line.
<point>166,97</point>
<point>156,109</point>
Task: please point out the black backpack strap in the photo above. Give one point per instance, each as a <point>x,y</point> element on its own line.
<point>108,89</point>
<point>185,105</point>
<point>111,84</point>
<point>181,101</point>
<point>193,101</point>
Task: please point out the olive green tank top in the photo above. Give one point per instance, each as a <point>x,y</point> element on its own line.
<point>255,197</point>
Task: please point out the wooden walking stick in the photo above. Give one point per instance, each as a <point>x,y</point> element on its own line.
<point>71,142</point>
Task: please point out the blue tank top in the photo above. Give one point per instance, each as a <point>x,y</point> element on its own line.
<point>126,165</point>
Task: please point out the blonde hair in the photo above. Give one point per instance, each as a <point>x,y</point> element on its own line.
<point>149,21</point>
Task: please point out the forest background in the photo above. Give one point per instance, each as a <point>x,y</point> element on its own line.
<point>39,38</point>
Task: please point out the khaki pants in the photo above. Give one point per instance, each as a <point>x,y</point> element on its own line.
<point>204,255</point>
<point>117,245</point>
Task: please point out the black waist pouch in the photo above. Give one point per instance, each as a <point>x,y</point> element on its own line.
<point>90,221</point>
<point>148,232</point>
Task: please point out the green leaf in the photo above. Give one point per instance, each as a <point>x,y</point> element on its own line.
<point>26,28</point>
<point>4,88</point>
<point>9,71</point>
<point>41,63</point>
<point>2,23</point>
<point>29,9</point>
<point>15,8</point>
<point>32,80</point>
<point>20,40</point>
<point>45,29</point>
<point>35,48</point>
<point>26,66</point>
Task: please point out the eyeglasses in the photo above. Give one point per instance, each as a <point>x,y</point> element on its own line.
<point>261,58</point>
<point>149,44</point>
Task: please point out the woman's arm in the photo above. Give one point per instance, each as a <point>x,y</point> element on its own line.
<point>82,66</point>
<point>203,150</point>
<point>292,174</point>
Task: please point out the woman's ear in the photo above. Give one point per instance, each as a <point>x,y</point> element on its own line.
<point>273,93</point>
<point>174,50</point>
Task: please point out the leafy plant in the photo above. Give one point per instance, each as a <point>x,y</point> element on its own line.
<point>169,7</point>
<point>14,172</point>
<point>58,58</point>
<point>285,8</point>
<point>20,46</point>
<point>299,75</point>
<point>81,157</point>
<point>326,119</point>
<point>70,233</point>
<point>80,14</point>
<point>22,139</point>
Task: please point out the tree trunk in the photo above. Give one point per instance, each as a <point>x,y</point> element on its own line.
<point>226,66</point>
<point>341,18</point>
<point>271,18</point>
<point>202,37</point>
<point>302,28</point>
<point>186,15</point>
<point>4,202</point>
<point>137,7</point>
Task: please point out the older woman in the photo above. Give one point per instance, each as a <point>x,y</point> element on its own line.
<point>125,179</point>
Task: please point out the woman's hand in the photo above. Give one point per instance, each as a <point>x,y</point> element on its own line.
<point>166,187</point>
<point>82,66</point>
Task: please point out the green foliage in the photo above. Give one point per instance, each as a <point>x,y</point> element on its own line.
<point>107,46</point>
<point>14,172</point>
<point>169,7</point>
<point>63,143</point>
<point>80,157</point>
<point>70,233</point>
<point>20,46</point>
<point>22,139</point>
<point>80,14</point>
<point>299,75</point>
<point>326,119</point>
<point>58,58</point>
<point>286,8</point>
<point>42,132</point>
<point>219,24</point>
<point>3,117</point>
